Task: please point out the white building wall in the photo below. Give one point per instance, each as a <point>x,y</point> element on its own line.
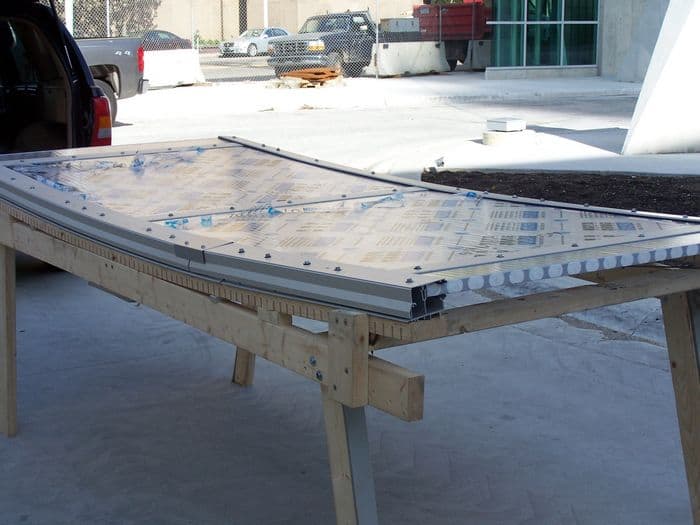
<point>628,34</point>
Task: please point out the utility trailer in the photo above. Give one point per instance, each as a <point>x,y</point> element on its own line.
<point>236,239</point>
<point>462,27</point>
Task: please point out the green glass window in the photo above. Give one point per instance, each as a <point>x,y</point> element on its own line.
<point>543,10</point>
<point>581,10</point>
<point>543,45</point>
<point>580,47</point>
<point>508,11</point>
<point>507,45</point>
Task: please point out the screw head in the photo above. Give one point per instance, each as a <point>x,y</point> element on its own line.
<point>268,256</point>
<point>307,263</point>
<point>241,250</point>
<point>338,269</point>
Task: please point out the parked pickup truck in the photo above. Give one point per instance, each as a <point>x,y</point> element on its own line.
<point>340,40</point>
<point>117,67</point>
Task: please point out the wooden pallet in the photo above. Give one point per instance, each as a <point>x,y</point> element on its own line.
<point>314,74</point>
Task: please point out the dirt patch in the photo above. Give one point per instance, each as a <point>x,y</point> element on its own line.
<point>679,195</point>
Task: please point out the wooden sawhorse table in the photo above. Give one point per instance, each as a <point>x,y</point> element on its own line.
<point>341,359</point>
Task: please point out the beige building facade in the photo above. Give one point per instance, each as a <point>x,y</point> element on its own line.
<point>223,19</point>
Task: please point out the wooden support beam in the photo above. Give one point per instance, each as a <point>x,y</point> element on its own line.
<point>348,357</point>
<point>396,390</point>
<point>290,347</point>
<point>515,310</point>
<point>682,322</point>
<point>8,359</point>
<point>244,365</point>
<point>348,456</point>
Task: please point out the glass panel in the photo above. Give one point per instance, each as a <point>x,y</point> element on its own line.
<point>543,10</point>
<point>581,10</point>
<point>507,46</point>
<point>580,44</point>
<point>508,10</point>
<point>543,45</point>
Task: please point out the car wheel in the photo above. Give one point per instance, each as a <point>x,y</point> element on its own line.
<point>352,70</point>
<point>111,96</point>
<point>452,63</point>
<point>252,50</point>
<point>335,62</point>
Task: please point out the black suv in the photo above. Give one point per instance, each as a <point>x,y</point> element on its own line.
<point>48,99</point>
<point>338,41</point>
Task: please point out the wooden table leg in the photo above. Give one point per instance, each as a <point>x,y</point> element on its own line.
<point>682,322</point>
<point>8,364</point>
<point>351,471</point>
<point>243,368</point>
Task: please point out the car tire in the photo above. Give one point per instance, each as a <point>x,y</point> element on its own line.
<point>352,70</point>
<point>452,62</point>
<point>335,61</point>
<point>252,50</point>
<point>111,96</point>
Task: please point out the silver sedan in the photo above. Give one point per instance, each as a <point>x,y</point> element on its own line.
<point>252,42</point>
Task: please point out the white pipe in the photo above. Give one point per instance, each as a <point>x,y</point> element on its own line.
<point>68,13</point>
<point>266,21</point>
<point>109,31</point>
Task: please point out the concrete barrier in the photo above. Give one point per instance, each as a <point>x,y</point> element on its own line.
<point>408,58</point>
<point>172,67</point>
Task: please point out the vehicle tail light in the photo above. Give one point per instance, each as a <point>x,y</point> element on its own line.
<point>102,123</point>
<point>139,58</point>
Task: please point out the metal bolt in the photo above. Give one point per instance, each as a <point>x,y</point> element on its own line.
<point>187,243</point>
<point>84,208</point>
<point>66,202</point>
<point>307,263</point>
<point>102,214</point>
<point>338,269</point>
<point>319,375</point>
<point>149,229</point>
<point>312,361</point>
<point>417,268</point>
<point>268,256</point>
<point>170,214</point>
<point>241,250</point>
<point>634,210</point>
<point>500,256</point>
<point>409,280</point>
<point>574,245</point>
<point>172,236</point>
<point>203,246</point>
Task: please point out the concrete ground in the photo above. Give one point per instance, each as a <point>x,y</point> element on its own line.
<point>128,417</point>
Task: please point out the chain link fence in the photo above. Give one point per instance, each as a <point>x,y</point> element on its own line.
<point>244,40</point>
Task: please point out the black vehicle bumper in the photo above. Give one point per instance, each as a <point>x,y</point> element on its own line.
<point>294,62</point>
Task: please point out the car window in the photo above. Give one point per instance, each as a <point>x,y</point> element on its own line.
<point>326,24</point>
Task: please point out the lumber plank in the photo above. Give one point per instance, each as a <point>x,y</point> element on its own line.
<point>516,310</point>
<point>290,347</point>
<point>8,358</point>
<point>681,313</point>
<point>348,336</point>
<point>244,365</point>
<point>396,390</point>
